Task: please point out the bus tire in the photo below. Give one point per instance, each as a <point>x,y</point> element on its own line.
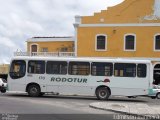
<point>102,93</point>
<point>3,91</point>
<point>34,90</point>
<point>158,96</point>
<point>153,97</point>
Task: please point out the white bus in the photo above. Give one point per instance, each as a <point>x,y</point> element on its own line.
<point>80,76</point>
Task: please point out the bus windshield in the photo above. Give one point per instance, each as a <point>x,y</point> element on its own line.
<point>18,69</point>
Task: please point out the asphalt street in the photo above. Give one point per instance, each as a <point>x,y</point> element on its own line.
<point>60,107</point>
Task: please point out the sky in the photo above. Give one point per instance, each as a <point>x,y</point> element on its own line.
<point>24,19</point>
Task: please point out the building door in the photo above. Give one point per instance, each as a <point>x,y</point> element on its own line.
<point>156,74</point>
<point>34,50</point>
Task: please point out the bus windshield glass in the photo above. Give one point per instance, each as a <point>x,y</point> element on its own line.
<point>18,69</point>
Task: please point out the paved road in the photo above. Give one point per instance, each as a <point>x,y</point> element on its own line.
<point>70,106</point>
<point>50,107</point>
<point>21,103</point>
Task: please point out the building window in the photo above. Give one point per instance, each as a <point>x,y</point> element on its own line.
<point>44,49</point>
<point>101,43</point>
<point>34,48</point>
<point>130,43</point>
<point>64,49</point>
<point>157,42</point>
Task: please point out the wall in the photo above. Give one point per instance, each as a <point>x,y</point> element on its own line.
<point>4,69</point>
<point>115,41</point>
<point>128,12</point>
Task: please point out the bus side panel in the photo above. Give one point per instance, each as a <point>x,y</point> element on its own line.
<point>129,86</point>
<point>128,91</point>
<point>69,84</point>
<point>76,90</point>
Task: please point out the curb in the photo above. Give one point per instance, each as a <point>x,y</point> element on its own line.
<point>121,112</point>
<point>106,109</point>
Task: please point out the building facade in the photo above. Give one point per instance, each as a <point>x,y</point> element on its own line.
<point>50,45</point>
<point>130,29</point>
<point>4,68</point>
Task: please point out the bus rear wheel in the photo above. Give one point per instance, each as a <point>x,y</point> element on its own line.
<point>102,93</point>
<point>34,90</point>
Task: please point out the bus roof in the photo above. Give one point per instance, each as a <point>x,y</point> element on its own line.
<point>85,59</point>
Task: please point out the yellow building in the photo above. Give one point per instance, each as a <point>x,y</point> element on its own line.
<point>130,29</point>
<point>50,45</point>
<point>4,68</point>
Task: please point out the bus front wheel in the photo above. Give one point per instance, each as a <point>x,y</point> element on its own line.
<point>34,90</point>
<point>158,96</point>
<point>3,90</point>
<point>102,93</point>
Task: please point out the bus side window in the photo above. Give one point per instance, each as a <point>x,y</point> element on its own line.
<point>142,70</point>
<point>125,70</point>
<point>102,69</point>
<point>36,67</point>
<point>56,67</point>
<point>18,69</point>
<point>79,68</point>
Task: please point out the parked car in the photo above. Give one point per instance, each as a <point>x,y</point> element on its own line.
<point>3,85</point>
<point>155,92</point>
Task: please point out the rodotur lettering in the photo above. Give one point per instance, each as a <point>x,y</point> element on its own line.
<point>75,80</point>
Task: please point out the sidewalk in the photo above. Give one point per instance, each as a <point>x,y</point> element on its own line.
<point>127,108</point>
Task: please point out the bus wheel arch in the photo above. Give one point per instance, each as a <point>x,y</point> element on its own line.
<point>33,89</point>
<point>103,92</point>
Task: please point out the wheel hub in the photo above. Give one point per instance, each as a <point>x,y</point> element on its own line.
<point>103,94</point>
<point>158,96</point>
<point>34,90</point>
